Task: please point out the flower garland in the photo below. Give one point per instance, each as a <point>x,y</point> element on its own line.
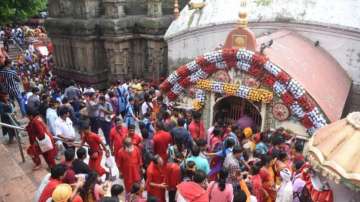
<point>254,94</point>
<point>199,101</point>
<point>293,95</point>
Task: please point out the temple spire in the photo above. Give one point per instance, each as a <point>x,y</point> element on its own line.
<point>243,14</point>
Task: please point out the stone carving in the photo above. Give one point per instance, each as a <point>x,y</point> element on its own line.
<point>96,41</point>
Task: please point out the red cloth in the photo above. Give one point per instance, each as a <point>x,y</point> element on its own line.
<point>117,136</point>
<point>136,139</point>
<point>193,192</point>
<point>257,187</point>
<point>49,189</point>
<point>156,175</point>
<point>94,142</point>
<point>197,130</point>
<point>129,163</point>
<point>318,196</point>
<point>77,198</point>
<point>214,142</point>
<point>161,141</point>
<point>173,175</point>
<point>37,129</point>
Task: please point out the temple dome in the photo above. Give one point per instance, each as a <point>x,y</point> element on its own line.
<point>341,13</point>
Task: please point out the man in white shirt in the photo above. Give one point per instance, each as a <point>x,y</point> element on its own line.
<point>146,106</point>
<point>64,129</point>
<point>51,115</point>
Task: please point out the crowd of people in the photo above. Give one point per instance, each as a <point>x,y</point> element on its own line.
<point>162,153</point>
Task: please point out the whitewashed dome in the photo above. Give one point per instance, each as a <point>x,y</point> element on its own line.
<point>343,13</point>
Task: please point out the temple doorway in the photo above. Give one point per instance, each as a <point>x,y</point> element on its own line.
<point>234,109</point>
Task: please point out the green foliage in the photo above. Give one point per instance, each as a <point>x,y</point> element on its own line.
<point>13,11</point>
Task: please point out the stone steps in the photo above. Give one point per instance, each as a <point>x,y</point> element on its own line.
<point>15,185</point>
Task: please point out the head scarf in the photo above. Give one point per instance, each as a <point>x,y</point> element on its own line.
<point>62,193</point>
<point>247,132</point>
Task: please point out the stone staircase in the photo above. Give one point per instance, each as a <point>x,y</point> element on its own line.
<point>14,50</point>
<point>15,184</point>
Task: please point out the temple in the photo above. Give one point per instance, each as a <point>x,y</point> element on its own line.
<point>98,41</point>
<point>284,69</point>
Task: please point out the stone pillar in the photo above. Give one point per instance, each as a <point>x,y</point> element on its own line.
<point>154,8</point>
<point>156,52</point>
<point>114,8</point>
<point>117,54</point>
<point>263,116</point>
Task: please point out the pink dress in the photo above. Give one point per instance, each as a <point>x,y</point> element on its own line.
<point>215,195</point>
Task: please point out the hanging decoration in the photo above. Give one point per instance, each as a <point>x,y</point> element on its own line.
<point>293,95</point>
<point>254,94</point>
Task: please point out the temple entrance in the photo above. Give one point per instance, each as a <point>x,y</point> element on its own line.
<point>234,109</point>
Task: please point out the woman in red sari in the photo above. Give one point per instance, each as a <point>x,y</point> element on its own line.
<point>268,178</point>
<point>257,183</point>
<point>156,176</point>
<point>37,130</point>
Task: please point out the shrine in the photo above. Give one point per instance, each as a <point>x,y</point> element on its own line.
<point>267,82</point>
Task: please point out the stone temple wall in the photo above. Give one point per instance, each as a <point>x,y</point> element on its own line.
<point>98,41</point>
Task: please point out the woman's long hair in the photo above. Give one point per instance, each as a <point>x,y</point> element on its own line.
<point>89,185</point>
<point>223,174</point>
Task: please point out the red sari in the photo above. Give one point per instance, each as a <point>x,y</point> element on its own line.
<point>94,142</point>
<point>197,130</point>
<point>129,164</point>
<point>37,129</point>
<point>268,184</point>
<point>258,187</point>
<point>156,175</point>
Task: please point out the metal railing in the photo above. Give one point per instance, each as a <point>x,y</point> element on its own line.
<point>16,126</point>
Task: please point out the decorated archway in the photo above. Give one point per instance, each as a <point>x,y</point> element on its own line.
<point>293,95</point>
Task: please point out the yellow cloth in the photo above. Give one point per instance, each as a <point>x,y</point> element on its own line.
<point>245,189</point>
<point>247,132</point>
<point>62,193</point>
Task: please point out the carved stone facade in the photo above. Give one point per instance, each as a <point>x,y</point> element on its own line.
<point>98,41</point>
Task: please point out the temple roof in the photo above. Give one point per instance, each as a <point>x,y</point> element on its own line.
<point>343,13</point>
<point>317,71</point>
<point>334,150</point>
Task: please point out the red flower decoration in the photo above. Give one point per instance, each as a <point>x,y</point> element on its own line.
<point>171,95</point>
<point>283,77</point>
<point>185,82</point>
<point>229,57</point>
<point>306,103</point>
<point>255,71</point>
<point>209,69</point>
<point>306,122</point>
<point>183,71</point>
<point>201,61</point>
<point>287,98</point>
<point>258,60</point>
<point>257,65</point>
<point>269,80</point>
<point>165,86</point>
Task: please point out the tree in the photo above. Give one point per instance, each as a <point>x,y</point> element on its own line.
<point>15,11</point>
